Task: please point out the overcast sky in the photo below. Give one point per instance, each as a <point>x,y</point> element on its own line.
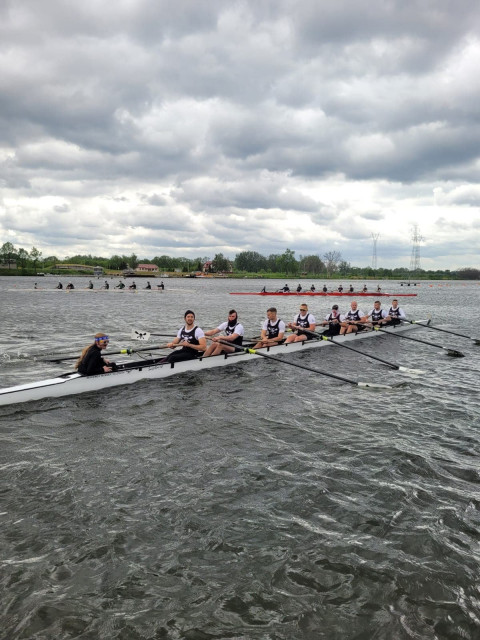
<point>197,127</point>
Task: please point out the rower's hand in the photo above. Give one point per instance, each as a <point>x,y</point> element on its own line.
<point>107,369</point>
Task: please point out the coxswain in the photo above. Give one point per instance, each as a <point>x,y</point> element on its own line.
<point>191,338</point>
<point>395,314</point>
<point>273,330</point>
<point>302,320</point>
<point>377,315</point>
<point>149,286</point>
<point>352,320</point>
<point>333,320</point>
<point>90,362</point>
<point>59,286</point>
<point>233,332</point>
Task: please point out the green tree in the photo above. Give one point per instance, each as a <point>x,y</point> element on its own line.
<point>288,263</point>
<point>35,256</point>
<point>250,261</point>
<point>220,263</point>
<point>312,264</point>
<point>7,251</point>
<point>22,257</point>
<point>133,261</point>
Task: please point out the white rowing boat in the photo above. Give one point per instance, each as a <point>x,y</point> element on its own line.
<point>129,372</point>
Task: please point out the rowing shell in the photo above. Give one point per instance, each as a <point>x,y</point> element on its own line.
<point>321,293</point>
<point>129,372</point>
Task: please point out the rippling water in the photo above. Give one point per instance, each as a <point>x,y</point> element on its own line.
<point>258,501</point>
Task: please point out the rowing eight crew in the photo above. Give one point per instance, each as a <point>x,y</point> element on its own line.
<point>193,340</point>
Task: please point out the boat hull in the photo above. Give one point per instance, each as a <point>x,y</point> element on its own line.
<point>355,294</point>
<point>131,372</point>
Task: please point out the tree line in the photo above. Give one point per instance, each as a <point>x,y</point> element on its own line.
<point>330,265</point>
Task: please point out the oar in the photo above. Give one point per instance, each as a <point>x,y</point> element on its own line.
<point>453,333</point>
<point>112,353</point>
<point>368,355</point>
<point>145,335</point>
<point>256,352</point>
<point>450,352</point>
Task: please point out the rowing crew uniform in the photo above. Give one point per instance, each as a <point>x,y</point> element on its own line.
<point>334,318</point>
<point>396,316</point>
<point>273,329</point>
<point>185,353</point>
<point>377,316</point>
<point>305,321</point>
<point>231,329</point>
<point>354,316</point>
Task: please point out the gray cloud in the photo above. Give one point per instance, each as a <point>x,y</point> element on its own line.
<point>204,124</point>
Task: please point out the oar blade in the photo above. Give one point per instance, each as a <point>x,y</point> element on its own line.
<point>418,372</point>
<point>373,385</point>
<point>139,335</point>
<point>453,353</point>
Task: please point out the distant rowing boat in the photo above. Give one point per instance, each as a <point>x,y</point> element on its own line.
<point>322,293</point>
<point>129,372</point>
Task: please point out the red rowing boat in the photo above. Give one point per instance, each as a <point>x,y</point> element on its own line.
<point>322,293</point>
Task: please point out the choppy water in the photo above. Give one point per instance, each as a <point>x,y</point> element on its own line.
<point>256,501</point>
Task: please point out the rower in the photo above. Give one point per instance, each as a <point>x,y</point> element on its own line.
<point>120,285</point>
<point>70,286</point>
<point>90,362</point>
<point>161,285</point>
<point>90,284</point>
<point>285,289</point>
<point>333,320</point>
<point>149,286</point>
<point>106,285</point>
<point>132,286</point>
<point>377,314</point>
<point>302,320</point>
<point>324,288</point>
<point>364,288</point>
<point>191,338</point>
<point>395,314</point>
<point>273,330</point>
<point>233,332</point>
<point>351,289</point>
<point>59,286</point>
<point>312,288</point>
<point>352,320</point>
<point>299,288</point>
<point>340,288</point>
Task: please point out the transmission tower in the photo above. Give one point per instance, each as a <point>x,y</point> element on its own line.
<point>374,254</point>
<point>415,259</point>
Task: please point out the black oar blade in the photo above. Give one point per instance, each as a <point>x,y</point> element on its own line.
<point>454,353</point>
